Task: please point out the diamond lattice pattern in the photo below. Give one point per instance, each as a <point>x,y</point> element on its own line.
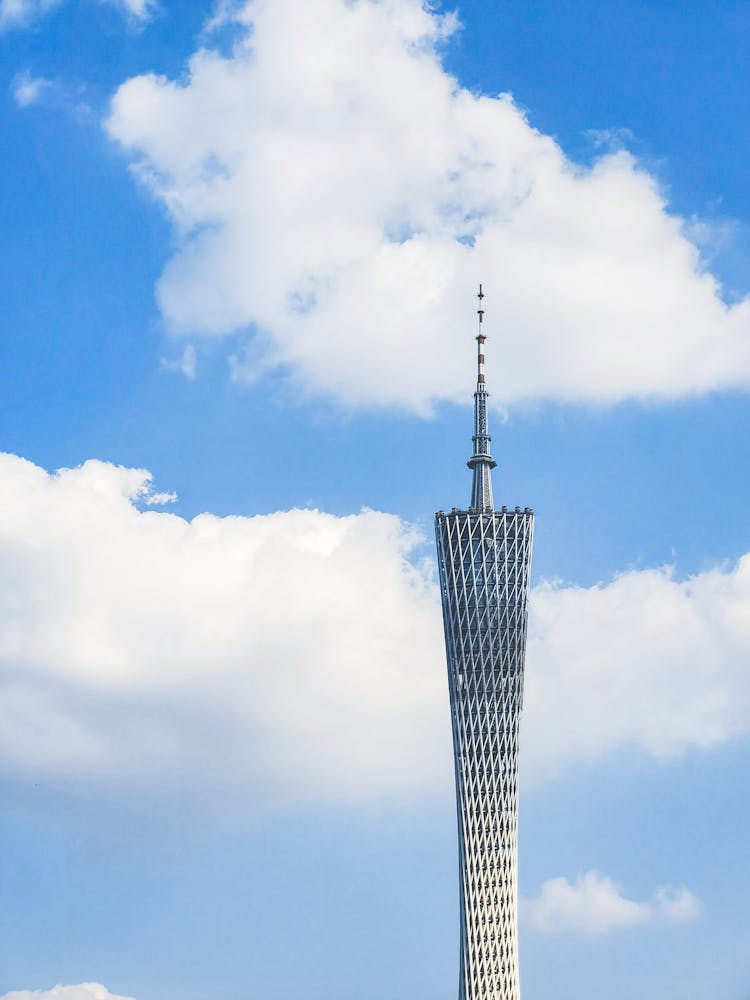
<point>484,561</point>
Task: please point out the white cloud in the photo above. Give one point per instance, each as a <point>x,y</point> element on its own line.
<point>186,364</point>
<point>593,904</point>
<point>85,991</point>
<point>286,656</point>
<point>159,499</point>
<point>242,662</point>
<point>337,192</point>
<point>645,661</point>
<point>22,13</point>
<point>676,905</point>
<point>142,10</point>
<point>28,89</point>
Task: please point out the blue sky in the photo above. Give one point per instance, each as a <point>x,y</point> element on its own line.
<point>239,245</point>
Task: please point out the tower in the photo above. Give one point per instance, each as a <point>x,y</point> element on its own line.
<point>484,559</point>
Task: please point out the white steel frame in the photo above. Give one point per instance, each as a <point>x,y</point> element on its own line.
<point>484,560</point>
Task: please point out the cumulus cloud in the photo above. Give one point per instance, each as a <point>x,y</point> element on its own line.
<point>593,904</point>
<point>249,662</point>
<point>338,195</point>
<point>85,991</point>
<point>22,13</point>
<point>284,656</point>
<point>644,661</point>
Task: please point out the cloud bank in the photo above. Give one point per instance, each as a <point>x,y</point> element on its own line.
<point>336,194</point>
<point>266,659</point>
<point>255,662</point>
<point>593,904</point>
<point>85,991</point>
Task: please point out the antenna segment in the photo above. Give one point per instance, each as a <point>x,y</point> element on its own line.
<point>481,462</point>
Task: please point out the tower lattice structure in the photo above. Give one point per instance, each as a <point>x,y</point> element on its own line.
<point>484,559</point>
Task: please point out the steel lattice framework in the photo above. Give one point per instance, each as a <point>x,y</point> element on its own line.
<point>484,559</point>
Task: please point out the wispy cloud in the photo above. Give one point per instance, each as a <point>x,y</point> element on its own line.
<point>28,89</point>
<point>594,904</point>
<point>20,13</point>
<point>23,13</point>
<point>186,364</point>
<point>141,10</point>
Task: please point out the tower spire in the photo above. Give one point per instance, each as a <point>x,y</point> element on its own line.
<point>481,462</point>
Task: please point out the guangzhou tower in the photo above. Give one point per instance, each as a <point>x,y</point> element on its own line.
<point>484,558</point>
